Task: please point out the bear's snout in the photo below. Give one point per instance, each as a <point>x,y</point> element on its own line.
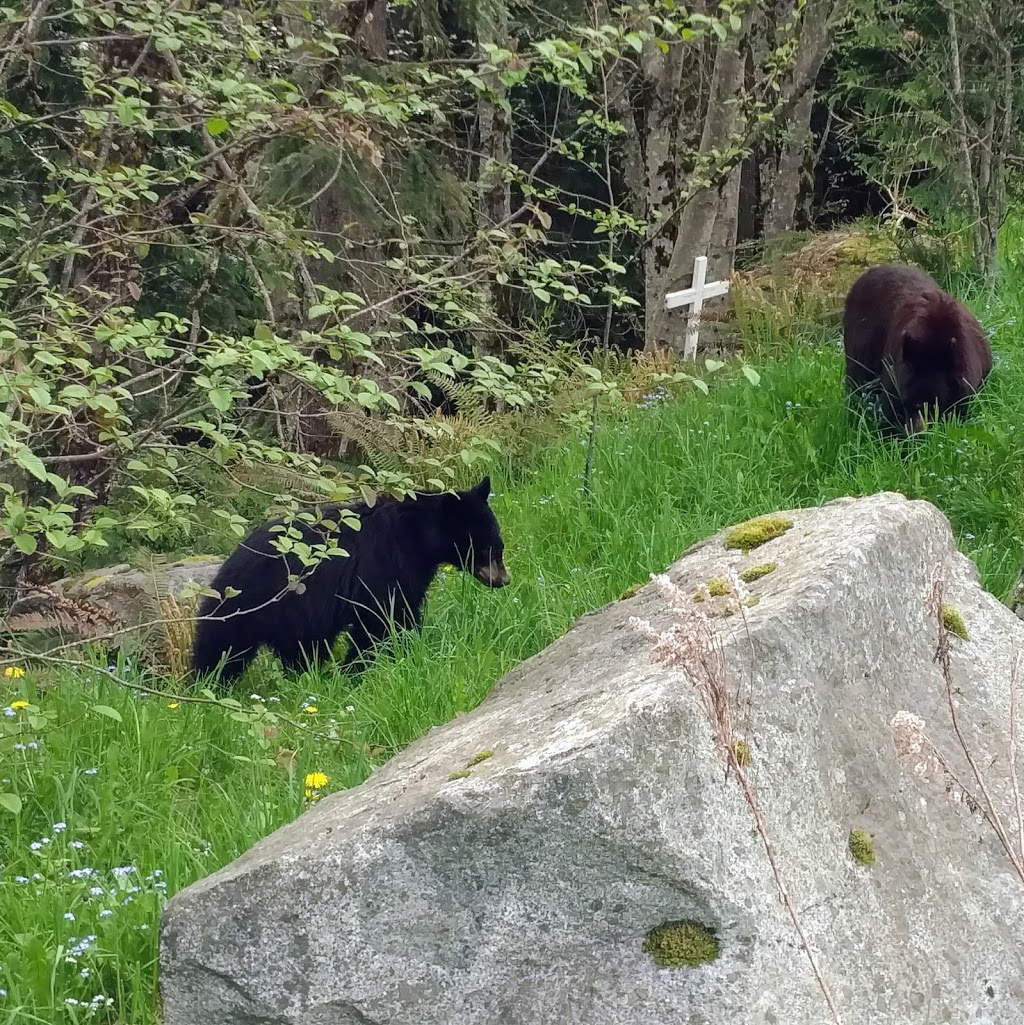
<point>916,425</point>
<point>493,574</point>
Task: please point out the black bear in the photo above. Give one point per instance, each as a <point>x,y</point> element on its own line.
<point>392,559</point>
<point>919,346</point>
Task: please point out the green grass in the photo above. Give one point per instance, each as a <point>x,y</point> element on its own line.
<point>168,794</point>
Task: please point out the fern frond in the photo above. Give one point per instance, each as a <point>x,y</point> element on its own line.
<point>283,479</point>
<point>33,622</point>
<point>177,632</point>
<point>468,400</point>
<point>379,439</point>
<point>88,615</point>
<point>559,360</point>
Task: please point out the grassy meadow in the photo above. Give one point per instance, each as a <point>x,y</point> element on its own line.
<point>127,797</point>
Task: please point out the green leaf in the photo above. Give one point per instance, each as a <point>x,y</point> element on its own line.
<point>700,385</point>
<point>110,713</point>
<point>10,110</point>
<point>751,375</point>
<point>220,398</point>
<point>28,460</point>
<point>711,365</point>
<point>11,803</point>
<point>25,543</point>
<point>217,126</point>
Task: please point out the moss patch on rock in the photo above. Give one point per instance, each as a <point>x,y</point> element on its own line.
<point>681,945</point>
<point>752,573</point>
<point>862,846</point>
<point>480,756</point>
<point>953,621</point>
<point>741,753</point>
<point>718,587</point>
<point>459,774</point>
<point>630,591</point>
<point>756,532</point>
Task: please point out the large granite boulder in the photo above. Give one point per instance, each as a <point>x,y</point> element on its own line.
<point>514,867</point>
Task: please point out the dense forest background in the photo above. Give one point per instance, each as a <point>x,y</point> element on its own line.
<point>260,253</point>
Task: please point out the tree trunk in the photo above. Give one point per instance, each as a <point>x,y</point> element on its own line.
<point>682,227</point>
<point>786,172</point>
<point>999,142</point>
<point>722,247</point>
<point>494,145</point>
<point>983,255</point>
<point>662,74</point>
<point>999,205</point>
<point>780,216</point>
<point>671,256</point>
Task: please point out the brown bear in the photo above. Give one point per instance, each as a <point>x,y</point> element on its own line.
<point>917,346</point>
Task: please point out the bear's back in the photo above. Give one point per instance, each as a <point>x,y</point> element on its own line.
<point>880,302</point>
<point>257,567</point>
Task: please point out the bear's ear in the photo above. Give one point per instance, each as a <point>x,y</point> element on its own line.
<point>483,489</point>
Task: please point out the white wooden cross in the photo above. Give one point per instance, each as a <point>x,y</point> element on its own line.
<point>694,297</point>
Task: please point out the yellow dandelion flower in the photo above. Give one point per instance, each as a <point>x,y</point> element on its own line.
<point>174,704</point>
<point>19,704</point>
<point>14,672</point>
<point>310,709</point>
<point>316,781</point>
